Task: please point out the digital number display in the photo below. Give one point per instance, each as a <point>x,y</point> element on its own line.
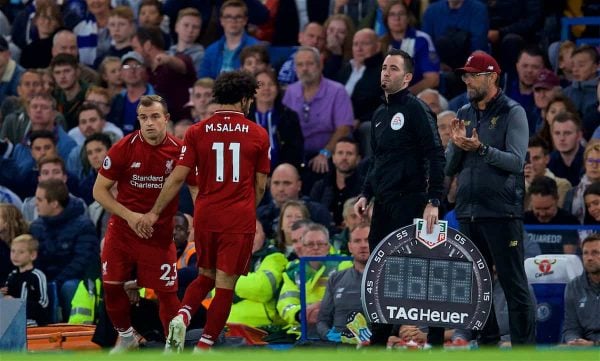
<point>432,280</point>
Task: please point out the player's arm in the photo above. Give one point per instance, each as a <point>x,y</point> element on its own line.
<point>170,188</point>
<point>260,184</point>
<point>106,199</point>
<point>193,192</point>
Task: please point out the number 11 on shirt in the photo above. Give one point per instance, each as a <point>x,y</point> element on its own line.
<point>219,149</point>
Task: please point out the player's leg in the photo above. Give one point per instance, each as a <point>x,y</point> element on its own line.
<point>220,308</point>
<point>206,251</point>
<point>116,268</point>
<point>232,260</point>
<point>192,301</point>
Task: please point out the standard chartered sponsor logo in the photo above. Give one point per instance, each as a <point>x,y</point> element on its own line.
<point>147,181</point>
<point>426,315</point>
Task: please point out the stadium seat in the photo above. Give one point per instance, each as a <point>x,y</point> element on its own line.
<point>548,275</point>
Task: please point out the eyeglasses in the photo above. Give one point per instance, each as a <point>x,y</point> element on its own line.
<point>233,17</point>
<point>591,161</point>
<point>396,15</point>
<point>306,111</point>
<point>316,244</point>
<point>468,76</point>
<point>131,66</point>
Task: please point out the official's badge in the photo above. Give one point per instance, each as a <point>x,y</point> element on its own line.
<point>397,121</point>
<point>106,163</point>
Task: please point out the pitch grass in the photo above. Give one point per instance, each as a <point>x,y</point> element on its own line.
<point>319,354</point>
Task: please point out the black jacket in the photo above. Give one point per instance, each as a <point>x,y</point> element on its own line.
<point>289,134</point>
<point>367,93</point>
<point>408,156</point>
<point>491,186</point>
<point>323,191</point>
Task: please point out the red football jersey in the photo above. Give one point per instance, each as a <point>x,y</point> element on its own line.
<point>228,150</point>
<point>140,169</point>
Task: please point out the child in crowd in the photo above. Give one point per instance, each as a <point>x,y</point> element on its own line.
<point>27,282</point>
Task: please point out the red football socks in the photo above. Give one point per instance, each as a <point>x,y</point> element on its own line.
<point>194,294</point>
<point>216,317</point>
<point>117,306</point>
<point>168,304</point>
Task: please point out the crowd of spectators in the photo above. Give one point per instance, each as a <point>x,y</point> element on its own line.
<point>72,74</point>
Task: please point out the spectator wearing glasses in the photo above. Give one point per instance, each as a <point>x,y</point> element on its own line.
<point>224,54</point>
<point>315,243</point>
<point>123,111</point>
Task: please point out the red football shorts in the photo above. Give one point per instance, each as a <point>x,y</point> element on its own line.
<point>127,258</point>
<point>227,252</point>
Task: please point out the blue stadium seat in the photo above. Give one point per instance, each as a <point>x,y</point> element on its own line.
<point>548,275</point>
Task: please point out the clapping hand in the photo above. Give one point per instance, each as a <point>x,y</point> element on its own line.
<point>460,139</point>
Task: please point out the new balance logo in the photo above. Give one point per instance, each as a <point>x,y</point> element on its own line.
<point>136,164</point>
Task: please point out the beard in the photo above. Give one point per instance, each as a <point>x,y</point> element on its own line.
<point>476,95</point>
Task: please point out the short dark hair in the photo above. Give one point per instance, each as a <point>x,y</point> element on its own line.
<point>348,140</point>
<point>152,34</point>
<point>409,65</point>
<point>588,49</point>
<point>543,186</point>
<point>538,142</point>
<point>64,59</point>
<point>591,238</point>
<point>231,87</point>
<point>593,188</point>
<point>54,159</point>
<point>257,49</point>
<point>98,137</point>
<point>148,100</point>
<point>157,4</point>
<point>56,190</point>
<point>564,117</point>
<point>185,220</point>
<point>89,106</point>
<point>48,134</point>
<point>234,4</point>
<point>532,50</point>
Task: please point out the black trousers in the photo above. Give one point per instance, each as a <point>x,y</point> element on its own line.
<point>388,216</point>
<point>501,243</point>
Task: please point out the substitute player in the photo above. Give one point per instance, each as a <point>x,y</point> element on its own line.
<point>139,163</point>
<point>232,156</point>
